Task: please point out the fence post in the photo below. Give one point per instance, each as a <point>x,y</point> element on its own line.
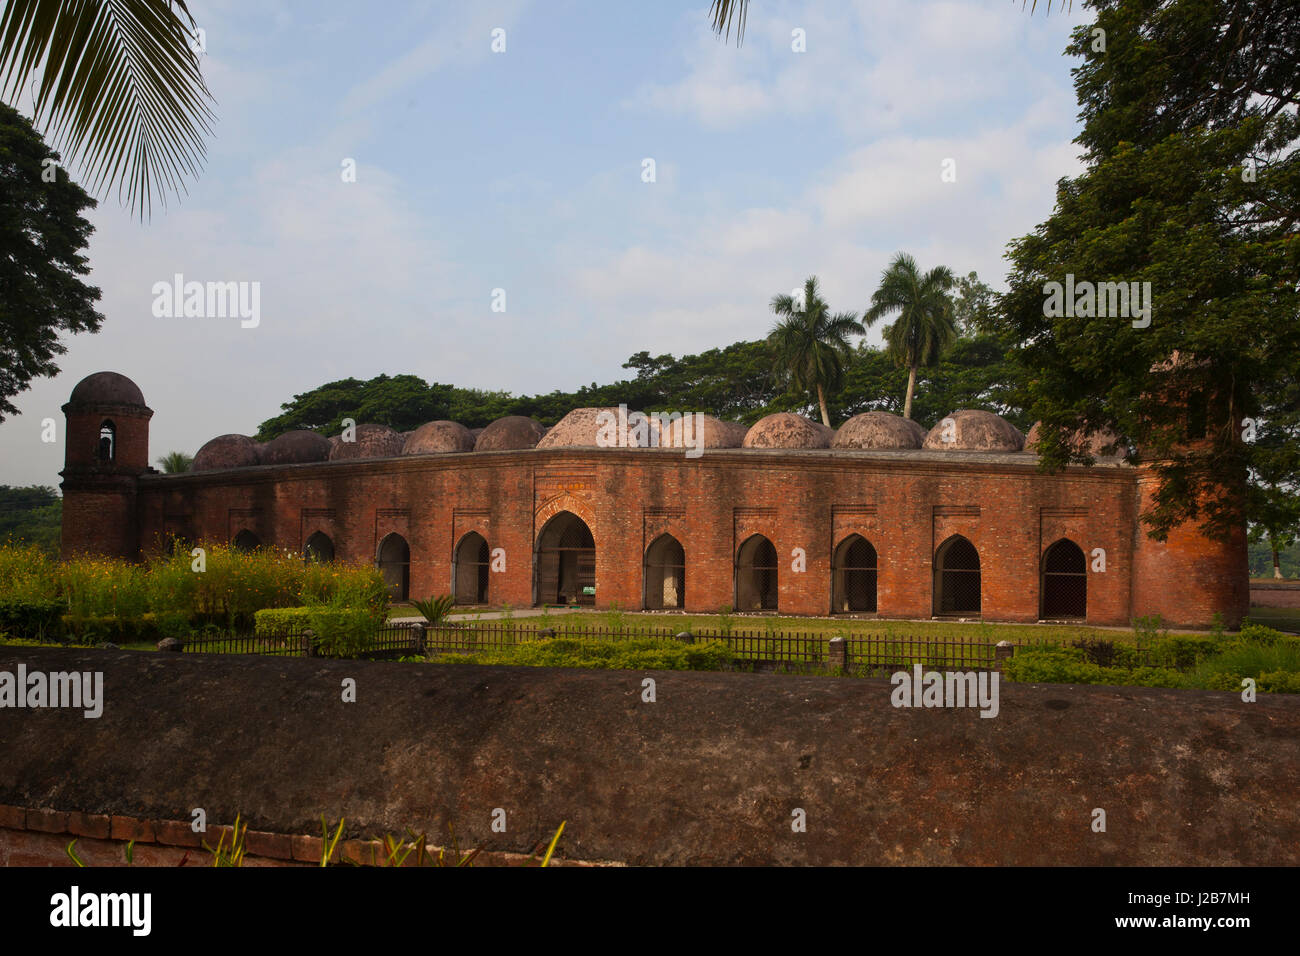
<point>309,642</point>
<point>417,637</point>
<point>1002,652</point>
<point>838,653</point>
<point>686,636</point>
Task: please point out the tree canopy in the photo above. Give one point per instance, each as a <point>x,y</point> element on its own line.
<point>1190,200</point>
<point>43,235</point>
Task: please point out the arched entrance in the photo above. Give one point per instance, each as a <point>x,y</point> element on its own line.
<point>956,578</point>
<point>469,570</point>
<point>854,576</point>
<point>319,548</point>
<point>665,574</point>
<point>1065,581</point>
<point>565,564</point>
<point>395,565</point>
<point>246,541</point>
<point>756,575</point>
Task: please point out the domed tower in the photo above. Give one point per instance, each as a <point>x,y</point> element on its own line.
<point>106,431</point>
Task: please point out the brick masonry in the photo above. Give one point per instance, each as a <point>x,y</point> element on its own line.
<point>906,504</point>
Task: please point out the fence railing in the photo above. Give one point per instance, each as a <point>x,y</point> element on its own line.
<point>875,653</point>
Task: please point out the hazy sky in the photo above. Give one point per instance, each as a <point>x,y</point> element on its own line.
<point>523,171</point>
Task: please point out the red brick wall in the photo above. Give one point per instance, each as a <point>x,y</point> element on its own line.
<point>905,506</point>
<point>1190,577</point>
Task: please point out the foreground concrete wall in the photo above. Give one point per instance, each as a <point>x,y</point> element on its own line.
<point>708,774</point>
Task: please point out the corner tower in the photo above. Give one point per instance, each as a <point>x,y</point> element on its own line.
<point>106,434</point>
<point>1192,575</point>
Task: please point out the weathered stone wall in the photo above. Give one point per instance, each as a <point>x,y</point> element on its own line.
<point>708,774</point>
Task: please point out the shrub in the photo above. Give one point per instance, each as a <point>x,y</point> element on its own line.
<point>343,631</point>
<point>632,654</point>
<point>435,608</point>
<point>275,623</point>
<point>339,631</point>
<point>1182,651</point>
<point>35,618</point>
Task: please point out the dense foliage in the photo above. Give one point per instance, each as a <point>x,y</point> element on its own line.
<point>91,599</point>
<point>1191,113</point>
<point>42,293</point>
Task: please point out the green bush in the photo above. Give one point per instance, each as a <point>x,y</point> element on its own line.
<point>32,618</point>
<point>275,623</point>
<point>1182,651</point>
<point>338,631</point>
<point>630,654</point>
<point>343,631</point>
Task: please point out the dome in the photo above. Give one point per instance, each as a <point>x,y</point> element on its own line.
<point>226,451</point>
<point>579,429</point>
<point>296,447</point>
<point>973,430</point>
<point>879,430</point>
<point>1100,444</point>
<point>512,433</point>
<point>786,430</point>
<point>714,431</point>
<point>438,438</point>
<point>372,441</point>
<point>107,388</point>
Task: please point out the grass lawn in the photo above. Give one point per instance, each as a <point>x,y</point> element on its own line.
<point>761,625</point>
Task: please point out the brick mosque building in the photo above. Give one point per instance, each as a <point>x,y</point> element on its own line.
<point>878,517</point>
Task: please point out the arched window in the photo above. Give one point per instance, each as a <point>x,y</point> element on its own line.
<point>854,576</point>
<point>565,563</point>
<point>107,450</point>
<point>956,578</point>
<point>469,570</point>
<point>756,583</point>
<point>246,541</point>
<point>1065,581</point>
<point>665,574</point>
<point>395,565</point>
<point>319,548</point>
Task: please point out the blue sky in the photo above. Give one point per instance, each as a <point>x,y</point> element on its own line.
<point>522,170</point>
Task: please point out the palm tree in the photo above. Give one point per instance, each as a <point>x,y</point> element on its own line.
<point>175,462</point>
<point>925,324</point>
<point>811,343</point>
<point>724,11</point>
<point>119,89</point>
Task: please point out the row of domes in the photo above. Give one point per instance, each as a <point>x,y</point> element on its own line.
<point>965,430</point>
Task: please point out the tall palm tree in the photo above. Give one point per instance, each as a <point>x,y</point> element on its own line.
<point>119,88</point>
<point>926,322</point>
<point>725,11</point>
<point>812,344</point>
<point>175,462</point>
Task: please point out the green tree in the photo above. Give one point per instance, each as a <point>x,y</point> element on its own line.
<point>725,13</point>
<point>1192,184</point>
<point>33,514</point>
<point>175,462</point>
<point>925,325</point>
<point>119,87</point>
<point>812,344</point>
<point>974,306</point>
<point>42,293</point>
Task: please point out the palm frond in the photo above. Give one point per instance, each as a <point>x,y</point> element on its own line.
<point>724,12</point>
<point>120,89</point>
